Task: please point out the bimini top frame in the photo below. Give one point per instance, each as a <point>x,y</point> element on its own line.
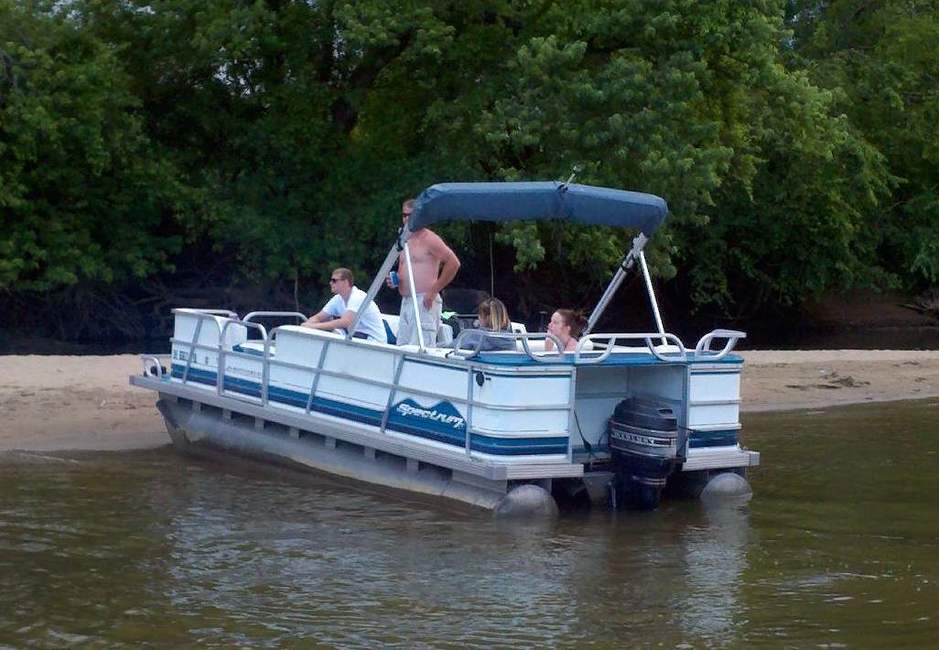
<point>533,201</point>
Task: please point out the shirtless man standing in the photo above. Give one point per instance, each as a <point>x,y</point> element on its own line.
<point>428,253</point>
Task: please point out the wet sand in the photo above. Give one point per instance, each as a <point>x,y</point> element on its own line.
<point>85,402</point>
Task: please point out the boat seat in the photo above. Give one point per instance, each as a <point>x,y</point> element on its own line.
<point>444,334</point>
<point>537,345</point>
<point>253,347</point>
<point>392,337</point>
<point>391,323</point>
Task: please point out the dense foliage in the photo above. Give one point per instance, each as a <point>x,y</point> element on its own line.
<point>794,141</point>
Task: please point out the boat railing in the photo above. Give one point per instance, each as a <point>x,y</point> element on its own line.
<point>583,355</point>
<point>703,348</point>
<point>201,316</point>
<point>474,374</point>
<point>220,348</point>
<point>267,360</point>
<point>152,367</point>
<point>265,366</point>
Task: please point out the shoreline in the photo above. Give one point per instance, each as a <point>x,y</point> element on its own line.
<point>84,403</point>
<point>775,380</point>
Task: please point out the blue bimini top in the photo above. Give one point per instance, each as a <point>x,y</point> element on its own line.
<point>538,201</point>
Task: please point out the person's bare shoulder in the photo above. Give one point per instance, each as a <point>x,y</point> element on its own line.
<point>436,245</point>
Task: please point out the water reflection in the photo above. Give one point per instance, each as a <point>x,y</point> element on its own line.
<point>716,561</point>
<point>123,549</point>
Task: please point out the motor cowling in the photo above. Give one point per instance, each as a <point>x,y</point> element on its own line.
<point>646,445</point>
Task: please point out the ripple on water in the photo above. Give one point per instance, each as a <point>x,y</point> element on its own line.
<point>150,547</point>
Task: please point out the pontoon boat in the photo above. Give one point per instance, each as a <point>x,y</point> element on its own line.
<point>614,422</point>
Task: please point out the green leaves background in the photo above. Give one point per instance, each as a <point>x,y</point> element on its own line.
<point>794,141</point>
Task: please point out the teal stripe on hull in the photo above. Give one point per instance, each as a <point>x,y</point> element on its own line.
<point>430,430</point>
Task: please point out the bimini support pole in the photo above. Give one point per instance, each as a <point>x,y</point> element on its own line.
<point>379,280</point>
<point>617,280</point>
<point>417,311</point>
<point>652,301</point>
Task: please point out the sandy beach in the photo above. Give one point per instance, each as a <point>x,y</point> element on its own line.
<point>52,403</point>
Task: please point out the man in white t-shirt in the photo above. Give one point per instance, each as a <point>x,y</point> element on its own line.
<point>340,311</point>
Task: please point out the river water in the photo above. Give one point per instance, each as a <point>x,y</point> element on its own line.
<point>838,549</point>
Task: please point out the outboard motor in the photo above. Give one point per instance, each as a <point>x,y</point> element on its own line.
<point>647,445</point>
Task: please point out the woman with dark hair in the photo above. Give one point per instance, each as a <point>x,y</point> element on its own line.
<point>566,326</point>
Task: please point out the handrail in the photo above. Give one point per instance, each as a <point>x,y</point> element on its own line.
<point>602,355</point>
<point>523,337</point>
<point>155,370</point>
<point>317,371</point>
<point>201,316</point>
<point>273,314</point>
<point>399,366</point>
<point>195,340</point>
<point>429,392</point>
<point>269,362</point>
<point>468,422</point>
<point>703,348</point>
<point>220,372</point>
<point>227,313</point>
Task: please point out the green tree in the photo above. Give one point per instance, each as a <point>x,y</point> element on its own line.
<point>881,63</point>
<point>279,136</point>
<point>81,193</point>
<point>769,191</point>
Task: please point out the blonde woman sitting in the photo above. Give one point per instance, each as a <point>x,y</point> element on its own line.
<point>492,316</point>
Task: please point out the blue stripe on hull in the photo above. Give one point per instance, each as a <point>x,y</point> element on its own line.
<point>432,431</point>
<point>615,359</point>
<point>700,439</point>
